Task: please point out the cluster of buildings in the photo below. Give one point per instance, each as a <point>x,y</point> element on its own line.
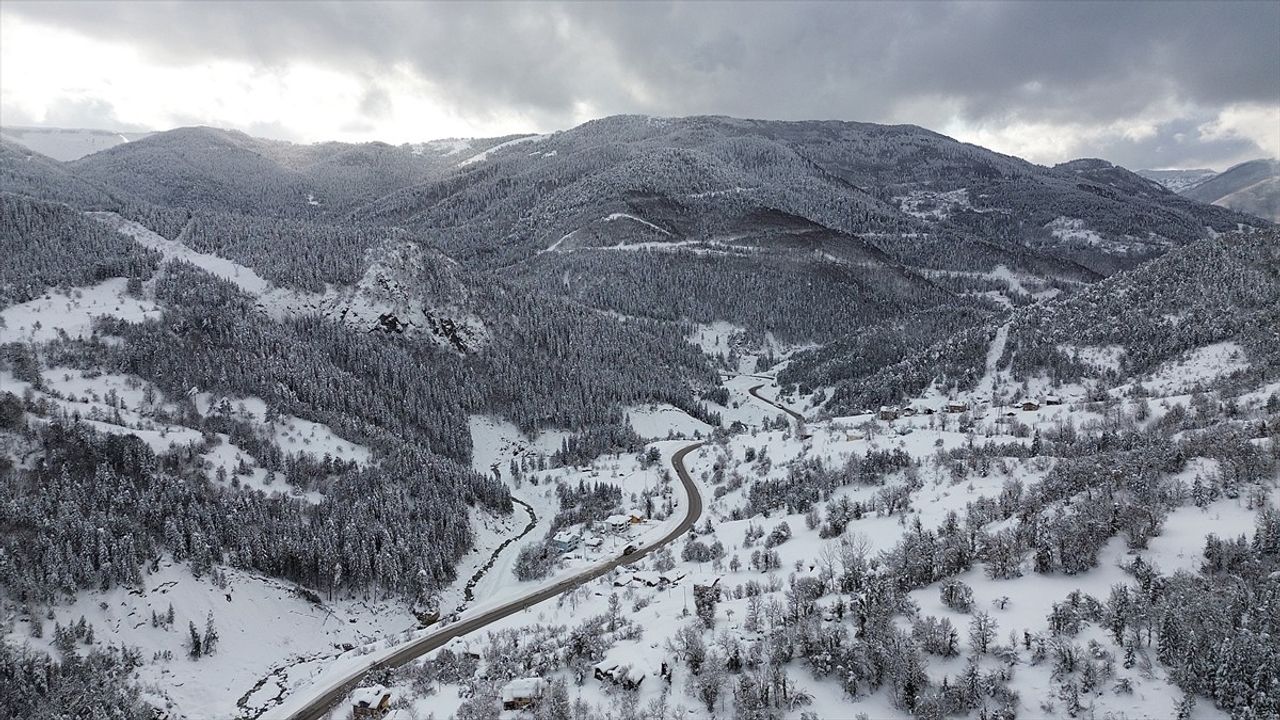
<point>889,414</point>
<point>893,413</point>
<point>566,541</point>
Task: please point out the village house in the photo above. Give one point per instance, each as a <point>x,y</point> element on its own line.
<point>564,541</point>
<point>370,702</point>
<point>618,523</point>
<point>1030,405</point>
<point>522,693</point>
<point>888,414</point>
<point>1053,400</point>
<point>908,411</point>
<point>956,406</point>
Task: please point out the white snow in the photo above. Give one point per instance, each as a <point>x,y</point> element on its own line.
<point>67,144</point>
<point>481,157</point>
<point>386,288</point>
<point>72,311</point>
<point>264,627</point>
<point>656,422</point>
<point>624,216</point>
<point>291,434</point>
<point>243,277</point>
<point>931,205</point>
<point>1102,358</point>
<point>446,147</point>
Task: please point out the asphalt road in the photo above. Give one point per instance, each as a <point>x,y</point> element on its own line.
<point>795,415</point>
<point>321,705</point>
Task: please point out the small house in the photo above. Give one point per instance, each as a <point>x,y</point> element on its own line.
<point>1053,400</point>
<point>593,542</point>
<point>618,523</point>
<point>888,414</point>
<point>1029,405</point>
<point>522,693</point>
<point>564,541</point>
<point>956,406</point>
<point>908,411</point>
<point>370,702</point>
<point>636,518</point>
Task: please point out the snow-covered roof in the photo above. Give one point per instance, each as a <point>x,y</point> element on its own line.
<point>369,696</point>
<point>593,542</point>
<point>618,519</point>
<point>523,688</point>
<point>565,536</point>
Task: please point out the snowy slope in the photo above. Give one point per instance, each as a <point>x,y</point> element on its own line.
<point>67,144</point>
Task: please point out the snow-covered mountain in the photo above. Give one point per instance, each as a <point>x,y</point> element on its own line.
<point>1178,180</point>
<point>67,144</point>
<point>1252,187</point>
<point>960,432</point>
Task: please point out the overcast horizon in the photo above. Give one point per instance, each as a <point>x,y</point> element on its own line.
<point>1185,85</point>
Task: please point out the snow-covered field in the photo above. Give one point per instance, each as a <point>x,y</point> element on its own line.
<point>277,644</point>
<point>264,627</point>
<point>1019,605</point>
<point>72,312</point>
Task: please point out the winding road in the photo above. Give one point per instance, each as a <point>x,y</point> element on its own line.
<point>317,708</point>
<point>794,415</point>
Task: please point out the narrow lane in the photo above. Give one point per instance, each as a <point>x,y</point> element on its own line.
<point>316,709</point>
<point>794,415</point>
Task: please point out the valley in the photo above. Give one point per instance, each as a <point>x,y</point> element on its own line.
<point>646,418</point>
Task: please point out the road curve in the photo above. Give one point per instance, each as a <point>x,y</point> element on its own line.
<point>316,709</point>
<point>795,415</point>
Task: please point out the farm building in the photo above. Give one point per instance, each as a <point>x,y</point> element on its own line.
<point>888,413</point>
<point>956,406</point>
<point>1029,405</point>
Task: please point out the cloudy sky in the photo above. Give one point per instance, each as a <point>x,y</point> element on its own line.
<point>1180,84</point>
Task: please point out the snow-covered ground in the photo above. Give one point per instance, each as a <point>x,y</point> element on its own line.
<point>67,144</point>
<point>72,312</point>
<point>387,288</point>
<point>263,625</point>
<point>1018,604</point>
<point>655,422</point>
<point>276,644</point>
<point>481,157</point>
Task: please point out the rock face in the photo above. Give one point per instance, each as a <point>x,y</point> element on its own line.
<point>412,292</point>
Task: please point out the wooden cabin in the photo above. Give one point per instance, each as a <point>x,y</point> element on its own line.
<point>370,702</point>
<point>522,693</point>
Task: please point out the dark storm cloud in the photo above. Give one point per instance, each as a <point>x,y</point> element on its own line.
<point>1081,63</point>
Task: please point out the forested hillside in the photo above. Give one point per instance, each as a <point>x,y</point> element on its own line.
<point>350,376</point>
<point>1212,291</point>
